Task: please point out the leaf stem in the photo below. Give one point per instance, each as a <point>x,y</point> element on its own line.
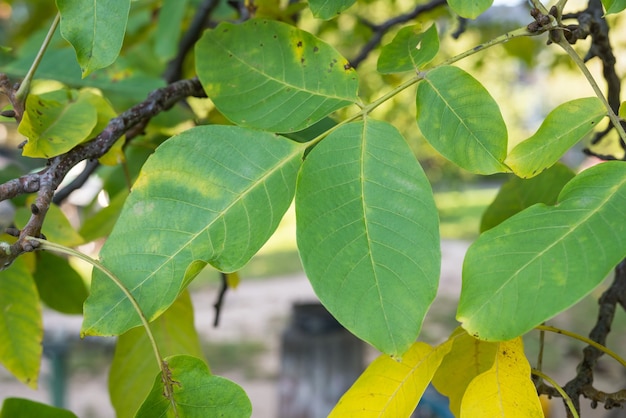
<point>583,68</point>
<point>24,88</point>
<point>566,398</point>
<point>592,343</point>
<point>165,375</point>
<point>523,31</point>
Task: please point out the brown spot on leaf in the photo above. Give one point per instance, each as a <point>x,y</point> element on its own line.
<point>299,44</point>
<point>315,49</point>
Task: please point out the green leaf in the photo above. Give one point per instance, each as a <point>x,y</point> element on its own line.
<point>460,119</point>
<point>95,29</point>
<point>174,333</point>
<point>168,28</point>
<point>562,128</point>
<point>59,285</point>
<point>101,224</point>
<point>392,387</point>
<point>544,259</point>
<point>21,326</point>
<point>410,50</point>
<point>197,393</point>
<point>327,9</point>
<point>213,194</point>
<point>518,194</point>
<point>368,234</point>
<point>469,9</point>
<point>614,6</point>
<point>25,408</point>
<point>57,121</point>
<point>289,78</point>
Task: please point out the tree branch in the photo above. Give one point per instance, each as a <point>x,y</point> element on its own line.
<point>46,181</point>
<point>381,29</point>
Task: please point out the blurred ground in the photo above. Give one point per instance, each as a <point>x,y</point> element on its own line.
<point>246,345</point>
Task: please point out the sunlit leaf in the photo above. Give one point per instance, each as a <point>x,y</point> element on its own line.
<point>469,9</point>
<point>59,285</point>
<point>288,78</point>
<point>410,50</point>
<point>327,9</point>
<point>213,194</point>
<point>367,230</point>
<point>197,393</point>
<point>57,121</point>
<point>460,119</point>
<point>562,128</point>
<point>174,333</point>
<point>518,194</point>
<point>505,390</point>
<point>544,259</point>
<point>21,326</point>
<point>95,29</point>
<point>614,6</point>
<point>467,359</point>
<point>392,387</point>
<point>25,408</point>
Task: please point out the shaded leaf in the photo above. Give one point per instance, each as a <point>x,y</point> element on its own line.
<point>174,333</point>
<point>410,50</point>
<point>544,259</point>
<point>56,227</point>
<point>197,393</point>
<point>562,128</point>
<point>460,119</point>
<point>56,121</point>
<point>327,9</point>
<point>518,194</point>
<point>213,194</point>
<point>21,326</point>
<point>614,6</point>
<point>25,408</point>
<point>469,9</point>
<point>168,28</point>
<point>95,29</point>
<point>391,387</point>
<point>367,231</point>
<point>505,390</point>
<point>290,78</point>
<point>467,359</point>
<point>59,285</point>
<point>101,224</point>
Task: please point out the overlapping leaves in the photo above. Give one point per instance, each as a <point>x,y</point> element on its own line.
<point>213,194</point>
<point>544,259</point>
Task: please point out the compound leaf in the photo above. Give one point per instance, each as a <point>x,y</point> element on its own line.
<point>461,120</point>
<point>410,50</point>
<point>21,324</point>
<point>95,29</point>
<point>367,231</point>
<point>327,9</point>
<point>213,194</point>
<point>505,390</point>
<point>544,259</point>
<point>288,78</point>
<point>197,393</point>
<point>562,128</point>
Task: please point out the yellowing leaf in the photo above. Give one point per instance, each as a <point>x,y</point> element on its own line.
<point>233,280</point>
<point>390,387</point>
<point>468,358</point>
<point>505,390</point>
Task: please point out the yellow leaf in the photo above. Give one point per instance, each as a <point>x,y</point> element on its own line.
<point>505,390</point>
<point>390,387</point>
<point>232,280</point>
<point>468,358</point>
